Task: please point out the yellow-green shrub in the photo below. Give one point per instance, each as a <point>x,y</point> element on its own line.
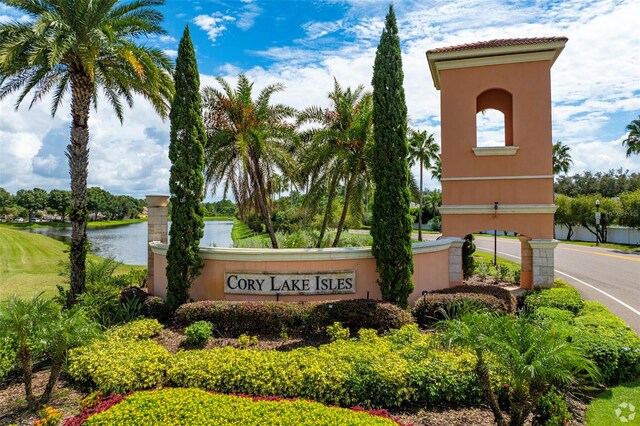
<point>137,330</point>
<point>370,371</point>
<point>197,407</point>
<point>119,365</point>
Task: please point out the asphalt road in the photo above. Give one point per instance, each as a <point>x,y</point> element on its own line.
<point>606,275</point>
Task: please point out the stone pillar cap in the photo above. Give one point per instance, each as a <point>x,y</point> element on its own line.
<point>157,200</point>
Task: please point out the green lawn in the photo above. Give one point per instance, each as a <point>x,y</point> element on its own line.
<point>483,256</point>
<point>91,224</point>
<point>603,409</point>
<point>30,263</point>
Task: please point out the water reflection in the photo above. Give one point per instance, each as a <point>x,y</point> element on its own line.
<point>128,243</point>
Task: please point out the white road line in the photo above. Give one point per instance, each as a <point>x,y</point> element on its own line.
<point>635,311</point>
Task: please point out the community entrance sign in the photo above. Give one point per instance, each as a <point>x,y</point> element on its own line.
<point>272,283</point>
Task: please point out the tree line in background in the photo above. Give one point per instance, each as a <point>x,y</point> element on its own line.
<point>36,203</point>
<point>623,210</point>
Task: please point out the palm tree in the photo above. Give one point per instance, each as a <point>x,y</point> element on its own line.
<point>79,46</point>
<point>422,149</point>
<point>533,359</point>
<point>337,151</point>
<point>24,321</point>
<point>247,141</point>
<point>632,141</point>
<point>65,330</point>
<point>561,158</point>
<point>473,331</point>
<point>436,170</point>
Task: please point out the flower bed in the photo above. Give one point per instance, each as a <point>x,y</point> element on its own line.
<point>198,407</point>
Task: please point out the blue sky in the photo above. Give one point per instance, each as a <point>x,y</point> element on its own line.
<point>305,44</point>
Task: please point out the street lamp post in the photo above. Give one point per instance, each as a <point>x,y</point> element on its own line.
<point>597,222</point>
<point>495,236</point>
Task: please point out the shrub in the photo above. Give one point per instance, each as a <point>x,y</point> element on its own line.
<point>508,300</point>
<point>553,314</point>
<point>605,338</point>
<point>156,307</point>
<point>370,371</point>
<point>337,332</point>
<point>136,330</point>
<point>552,409</point>
<point>438,306</point>
<point>468,263</point>
<point>563,297</point>
<point>244,340</point>
<point>8,362</point>
<point>297,318</point>
<point>198,333</point>
<point>119,365</point>
<point>197,407</point>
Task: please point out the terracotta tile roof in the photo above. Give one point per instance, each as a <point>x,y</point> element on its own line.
<point>497,43</point>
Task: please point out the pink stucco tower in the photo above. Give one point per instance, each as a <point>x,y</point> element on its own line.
<point>508,187</point>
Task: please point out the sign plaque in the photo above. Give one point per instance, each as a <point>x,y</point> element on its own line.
<point>277,283</point>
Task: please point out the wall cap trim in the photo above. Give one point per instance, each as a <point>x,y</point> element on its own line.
<point>543,244</point>
<point>502,209</point>
<point>496,178</point>
<point>491,151</point>
<point>293,255</point>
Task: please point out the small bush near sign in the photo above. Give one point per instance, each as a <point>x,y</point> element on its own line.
<point>443,303</point>
<point>296,318</point>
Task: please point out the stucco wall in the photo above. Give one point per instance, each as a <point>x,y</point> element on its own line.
<point>431,271</point>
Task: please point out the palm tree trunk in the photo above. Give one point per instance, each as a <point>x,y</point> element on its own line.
<point>263,203</point>
<point>26,362</point>
<point>345,207</point>
<point>56,368</point>
<point>420,208</point>
<point>482,371</point>
<point>327,210</point>
<point>78,155</point>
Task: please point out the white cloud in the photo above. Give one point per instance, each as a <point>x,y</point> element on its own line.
<point>248,14</point>
<point>213,24</point>
<point>171,53</point>
<point>316,30</point>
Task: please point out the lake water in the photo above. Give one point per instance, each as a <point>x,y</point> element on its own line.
<point>128,243</point>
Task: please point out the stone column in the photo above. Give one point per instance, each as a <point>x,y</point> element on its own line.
<point>455,261</point>
<point>157,229</point>
<point>526,262</point>
<point>542,253</point>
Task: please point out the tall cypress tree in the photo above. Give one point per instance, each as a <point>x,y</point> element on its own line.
<point>186,152</point>
<point>391,222</point>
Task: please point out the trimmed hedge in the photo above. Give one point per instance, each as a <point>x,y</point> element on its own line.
<point>294,318</point>
<point>430,308</point>
<point>125,361</point>
<point>561,297</point>
<point>509,303</point>
<point>398,369</point>
<point>606,339</point>
<point>198,407</point>
<point>136,330</point>
<point>370,371</point>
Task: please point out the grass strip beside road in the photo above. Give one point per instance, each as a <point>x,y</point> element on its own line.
<point>30,263</point>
